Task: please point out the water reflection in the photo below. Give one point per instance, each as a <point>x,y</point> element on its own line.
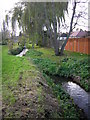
<point>80,96</point>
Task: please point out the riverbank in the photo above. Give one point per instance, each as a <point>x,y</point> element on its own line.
<point>26,93</point>
<point>73,65</point>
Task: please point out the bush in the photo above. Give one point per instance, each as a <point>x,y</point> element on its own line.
<point>28,46</point>
<point>3,43</point>
<point>16,51</point>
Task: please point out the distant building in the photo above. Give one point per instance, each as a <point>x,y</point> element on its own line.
<point>78,34</point>
<point>62,36</point>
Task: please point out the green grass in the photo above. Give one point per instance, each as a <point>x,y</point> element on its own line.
<point>0,69</point>
<point>68,65</point>
<point>49,53</point>
<point>12,67</point>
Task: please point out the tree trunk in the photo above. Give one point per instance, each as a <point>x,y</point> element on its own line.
<point>56,46</point>
<point>33,46</point>
<point>43,39</point>
<point>37,42</point>
<point>50,40</point>
<point>55,39</point>
<point>64,44</point>
<point>29,38</point>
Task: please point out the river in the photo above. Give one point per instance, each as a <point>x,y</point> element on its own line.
<point>80,96</point>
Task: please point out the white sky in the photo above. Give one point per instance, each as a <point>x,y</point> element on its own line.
<point>5,5</point>
<point>8,4</point>
<point>82,22</point>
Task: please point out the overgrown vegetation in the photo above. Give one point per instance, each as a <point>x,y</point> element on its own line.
<point>4,42</point>
<point>16,51</point>
<point>49,67</point>
<point>18,72</point>
<point>68,66</point>
<point>71,67</point>
<point>66,103</point>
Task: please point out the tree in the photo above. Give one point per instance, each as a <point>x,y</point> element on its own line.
<point>5,33</point>
<point>35,16</point>
<point>7,19</point>
<point>76,15</point>
<point>54,13</point>
<point>63,46</point>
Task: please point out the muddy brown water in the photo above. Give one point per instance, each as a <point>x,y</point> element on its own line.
<point>80,97</point>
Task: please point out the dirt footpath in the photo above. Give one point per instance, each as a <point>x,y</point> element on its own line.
<point>34,98</point>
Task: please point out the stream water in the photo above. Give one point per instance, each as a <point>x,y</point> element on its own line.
<point>80,96</point>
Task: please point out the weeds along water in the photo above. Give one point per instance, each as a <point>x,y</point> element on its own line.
<point>66,68</point>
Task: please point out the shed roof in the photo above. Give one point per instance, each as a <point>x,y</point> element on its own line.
<point>78,34</point>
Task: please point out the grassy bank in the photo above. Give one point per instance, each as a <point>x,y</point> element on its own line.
<point>12,68</point>
<point>49,64</point>
<point>26,93</point>
<point>74,65</point>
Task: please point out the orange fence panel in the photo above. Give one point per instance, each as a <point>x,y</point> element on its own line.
<point>81,45</point>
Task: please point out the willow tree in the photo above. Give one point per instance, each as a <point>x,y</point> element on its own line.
<point>37,15</point>
<point>34,19</point>
<point>54,11</point>
<point>16,17</point>
<point>7,19</point>
<point>40,14</point>
<point>29,21</point>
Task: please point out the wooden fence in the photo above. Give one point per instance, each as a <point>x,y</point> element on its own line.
<point>81,45</point>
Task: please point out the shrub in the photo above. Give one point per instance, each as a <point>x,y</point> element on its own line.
<point>28,46</point>
<point>16,51</point>
<point>3,43</point>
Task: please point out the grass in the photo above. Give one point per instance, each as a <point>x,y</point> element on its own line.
<point>71,64</point>
<point>21,78</point>
<point>0,69</point>
<point>49,53</point>
<point>49,63</point>
<point>12,67</point>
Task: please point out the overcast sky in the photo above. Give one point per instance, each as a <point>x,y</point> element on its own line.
<point>6,5</point>
<point>82,22</point>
